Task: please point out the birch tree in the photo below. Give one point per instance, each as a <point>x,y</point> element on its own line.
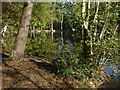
<point>86,31</point>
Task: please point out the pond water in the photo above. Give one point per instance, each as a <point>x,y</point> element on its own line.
<point>110,68</point>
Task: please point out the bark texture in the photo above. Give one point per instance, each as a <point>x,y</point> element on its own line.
<point>86,32</point>
<point>19,47</point>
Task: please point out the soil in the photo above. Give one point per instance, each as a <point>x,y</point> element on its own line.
<point>34,72</point>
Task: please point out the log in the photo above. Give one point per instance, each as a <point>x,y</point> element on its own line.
<point>46,31</point>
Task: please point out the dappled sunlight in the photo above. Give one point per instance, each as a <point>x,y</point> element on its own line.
<point>17,75</point>
<point>60,45</point>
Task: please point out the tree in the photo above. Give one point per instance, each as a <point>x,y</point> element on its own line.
<point>18,51</point>
<point>43,20</point>
<point>86,32</point>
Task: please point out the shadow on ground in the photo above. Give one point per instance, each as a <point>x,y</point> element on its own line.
<point>30,74</point>
<point>39,74</point>
<point>4,57</point>
<point>110,84</point>
<point>17,77</point>
<point>44,65</point>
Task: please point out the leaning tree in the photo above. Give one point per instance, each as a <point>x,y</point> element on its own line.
<point>19,47</point>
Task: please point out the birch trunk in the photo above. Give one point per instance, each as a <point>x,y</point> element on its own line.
<point>95,20</point>
<point>62,29</point>
<point>89,33</point>
<point>52,31</point>
<point>116,29</point>
<point>105,24</point>
<point>102,32</point>
<point>85,28</point>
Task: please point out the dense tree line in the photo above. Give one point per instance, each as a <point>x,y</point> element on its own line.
<point>94,27</point>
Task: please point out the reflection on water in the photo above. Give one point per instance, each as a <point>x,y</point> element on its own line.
<point>112,69</point>
<point>114,72</point>
<point>60,47</point>
<point>67,42</point>
<point>71,47</point>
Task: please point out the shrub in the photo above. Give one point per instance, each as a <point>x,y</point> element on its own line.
<point>40,46</point>
<point>71,64</point>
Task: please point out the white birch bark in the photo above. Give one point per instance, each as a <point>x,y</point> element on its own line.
<point>115,29</point>
<point>105,25</point>
<point>102,32</point>
<point>52,31</point>
<point>62,29</point>
<point>84,13</point>
<point>96,21</point>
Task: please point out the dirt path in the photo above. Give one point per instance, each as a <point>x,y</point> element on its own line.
<point>33,72</point>
<point>29,74</point>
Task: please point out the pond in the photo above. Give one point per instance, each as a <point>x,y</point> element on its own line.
<point>110,68</point>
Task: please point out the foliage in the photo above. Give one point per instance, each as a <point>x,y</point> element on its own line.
<point>41,45</point>
<point>72,64</point>
<point>11,19</point>
<point>68,63</point>
<point>43,14</point>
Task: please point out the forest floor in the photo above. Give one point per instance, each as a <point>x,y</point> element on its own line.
<point>34,72</point>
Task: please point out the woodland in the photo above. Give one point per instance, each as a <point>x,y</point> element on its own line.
<point>60,44</point>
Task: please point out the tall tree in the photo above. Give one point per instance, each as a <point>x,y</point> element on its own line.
<point>18,52</point>
<point>86,32</point>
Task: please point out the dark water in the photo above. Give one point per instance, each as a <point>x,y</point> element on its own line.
<point>67,42</point>
<point>110,68</point>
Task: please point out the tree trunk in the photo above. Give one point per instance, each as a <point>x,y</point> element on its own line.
<point>19,47</point>
<point>95,20</point>
<point>86,32</point>
<point>62,29</point>
<point>52,30</point>
<point>102,32</point>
